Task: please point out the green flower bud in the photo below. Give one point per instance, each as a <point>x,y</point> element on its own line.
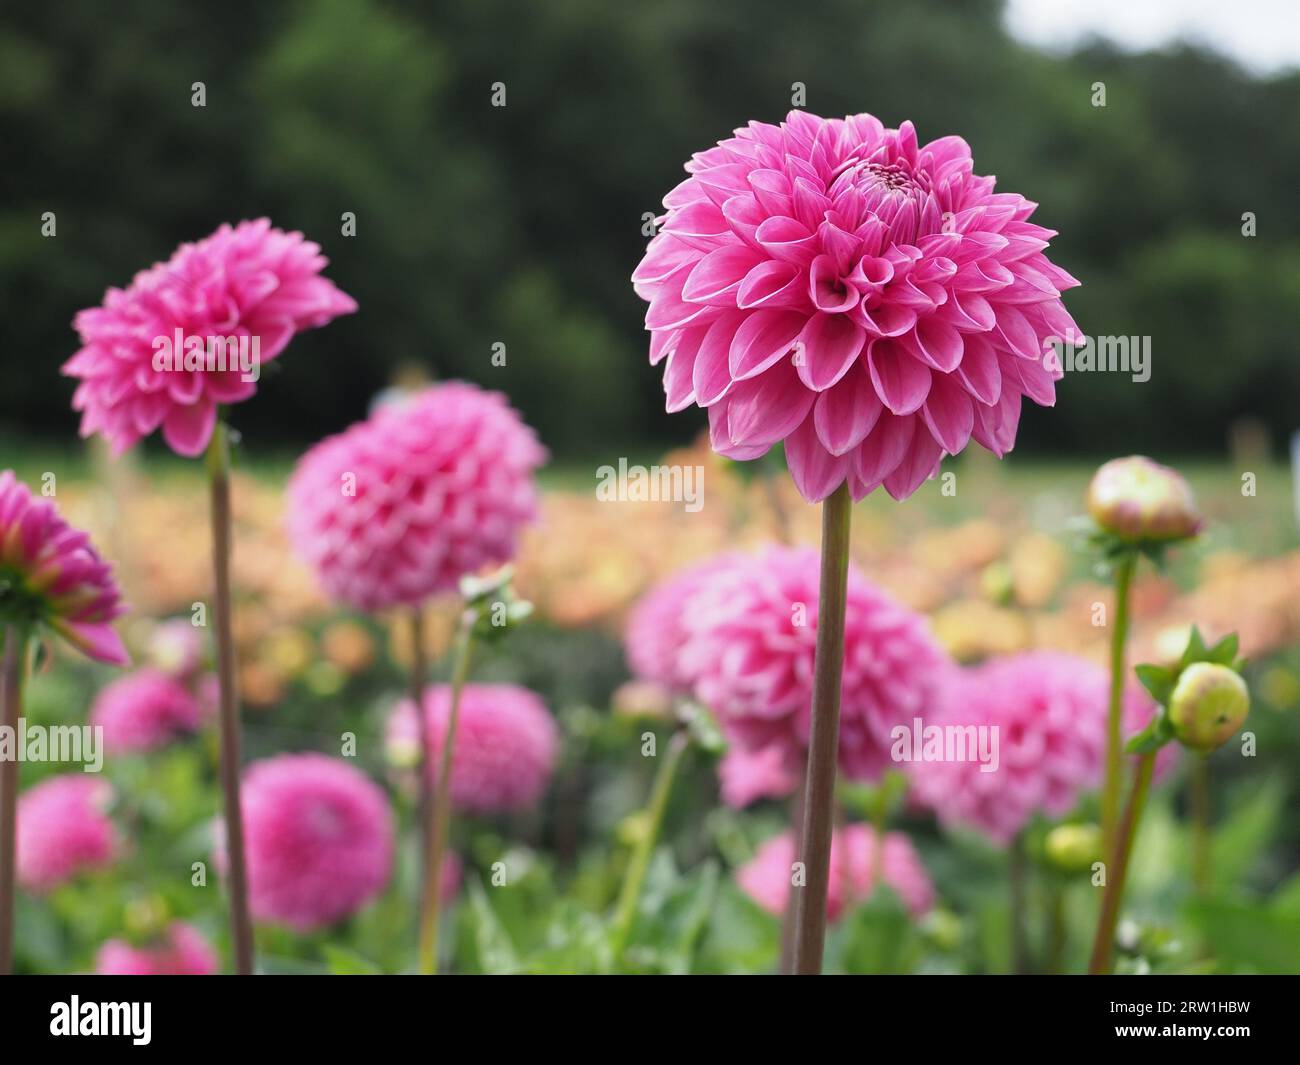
<point>1208,705</point>
<point>1140,501</point>
<point>1073,848</point>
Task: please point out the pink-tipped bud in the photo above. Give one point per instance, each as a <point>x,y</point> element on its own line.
<point>1139,500</point>
<point>1208,705</point>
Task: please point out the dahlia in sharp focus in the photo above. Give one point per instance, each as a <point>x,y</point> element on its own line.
<point>766,877</point>
<point>506,744</point>
<point>182,951</point>
<point>401,506</point>
<point>63,829</point>
<point>251,282</point>
<point>319,840</point>
<point>144,710</point>
<point>749,637</point>
<point>1049,710</point>
<point>869,301</point>
<point>51,575</point>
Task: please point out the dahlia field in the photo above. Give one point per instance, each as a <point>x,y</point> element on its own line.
<point>844,665</point>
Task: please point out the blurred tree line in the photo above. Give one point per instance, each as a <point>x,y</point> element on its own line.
<point>480,225</point>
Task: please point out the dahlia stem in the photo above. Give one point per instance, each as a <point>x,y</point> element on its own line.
<point>823,740</point>
<point>1111,784</point>
<point>440,822</point>
<point>11,692</point>
<point>1117,870</point>
<point>1016,883</point>
<point>1055,932</point>
<point>241,926</point>
<point>625,912</point>
<point>424,789</point>
<point>1200,787</point>
<point>792,900</point>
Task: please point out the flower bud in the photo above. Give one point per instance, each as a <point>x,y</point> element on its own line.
<point>1073,848</point>
<point>1208,705</point>
<point>1139,500</point>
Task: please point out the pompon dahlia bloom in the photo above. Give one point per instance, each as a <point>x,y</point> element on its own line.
<point>144,710</point>
<point>766,877</point>
<point>1050,711</point>
<point>749,637</point>
<point>869,301</point>
<point>506,744</point>
<point>182,951</point>
<point>319,840</point>
<point>51,575</point>
<point>401,506</point>
<point>243,283</point>
<point>63,829</point>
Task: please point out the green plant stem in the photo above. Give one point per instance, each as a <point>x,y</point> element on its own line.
<point>1117,868</point>
<point>11,696</point>
<point>1016,885</point>
<point>440,822</point>
<point>241,926</point>
<point>823,740</point>
<point>1200,787</point>
<point>424,779</point>
<point>1055,932</point>
<point>1111,783</point>
<point>792,899</point>
<point>625,912</point>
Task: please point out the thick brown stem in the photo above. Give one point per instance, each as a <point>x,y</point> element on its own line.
<point>823,740</point>
<point>11,693</point>
<point>241,926</point>
<point>792,900</point>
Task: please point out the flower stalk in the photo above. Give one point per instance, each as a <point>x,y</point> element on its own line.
<point>823,740</point>
<point>639,865</point>
<point>424,789</point>
<point>1112,782</point>
<point>1117,871</point>
<point>241,927</point>
<point>11,688</point>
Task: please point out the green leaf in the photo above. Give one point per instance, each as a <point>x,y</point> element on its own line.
<point>344,962</point>
<point>1153,737</point>
<point>1158,680</point>
<point>1195,651</point>
<point>495,950</point>
<point>1224,652</point>
<point>1245,833</point>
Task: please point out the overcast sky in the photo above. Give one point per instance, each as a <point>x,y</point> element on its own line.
<point>1262,35</point>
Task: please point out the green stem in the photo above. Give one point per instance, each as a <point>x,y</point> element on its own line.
<point>424,785</point>
<point>1117,869</point>
<point>440,823</point>
<point>823,739</point>
<point>792,899</point>
<point>1111,784</point>
<point>1016,884</point>
<point>625,912</point>
<point>241,926</point>
<point>11,695</point>
<point>1200,785</point>
<point>1055,931</point>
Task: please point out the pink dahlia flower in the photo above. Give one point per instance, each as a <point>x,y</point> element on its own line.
<point>401,506</point>
<point>319,837</point>
<point>505,749</point>
<point>144,710</point>
<point>250,284</point>
<point>750,633</point>
<point>747,776</point>
<point>182,951</point>
<point>766,878</point>
<point>653,634</point>
<point>51,575</point>
<point>1050,712</point>
<point>869,301</point>
<point>63,829</point>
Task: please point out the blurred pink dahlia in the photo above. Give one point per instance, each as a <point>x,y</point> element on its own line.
<point>750,633</point>
<point>176,648</point>
<point>250,283</point>
<point>144,710</point>
<point>319,836</point>
<point>426,491</point>
<point>63,829</point>
<point>870,302</point>
<point>1050,713</point>
<point>766,877</point>
<point>182,951</point>
<point>51,575</point>
<point>506,744</point>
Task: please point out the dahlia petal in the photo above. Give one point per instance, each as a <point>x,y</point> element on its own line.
<point>99,641</point>
<point>187,430</point>
<point>786,239</point>
<point>716,277</point>
<point>889,319</point>
<point>979,370</point>
<point>701,225</point>
<point>846,412</point>
<point>720,183</point>
<point>936,344</point>
<point>773,284</point>
<point>679,371</point>
<point>767,408</point>
<point>1013,333</point>
<point>827,292</point>
<point>919,464</point>
<point>827,346</point>
<point>816,472</point>
<point>1033,379</point>
<point>884,448</point>
<point>763,338</point>
<point>720,434</point>
<point>710,376</point>
<point>901,382</point>
<point>772,190</point>
<point>948,412</point>
<point>995,425</point>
